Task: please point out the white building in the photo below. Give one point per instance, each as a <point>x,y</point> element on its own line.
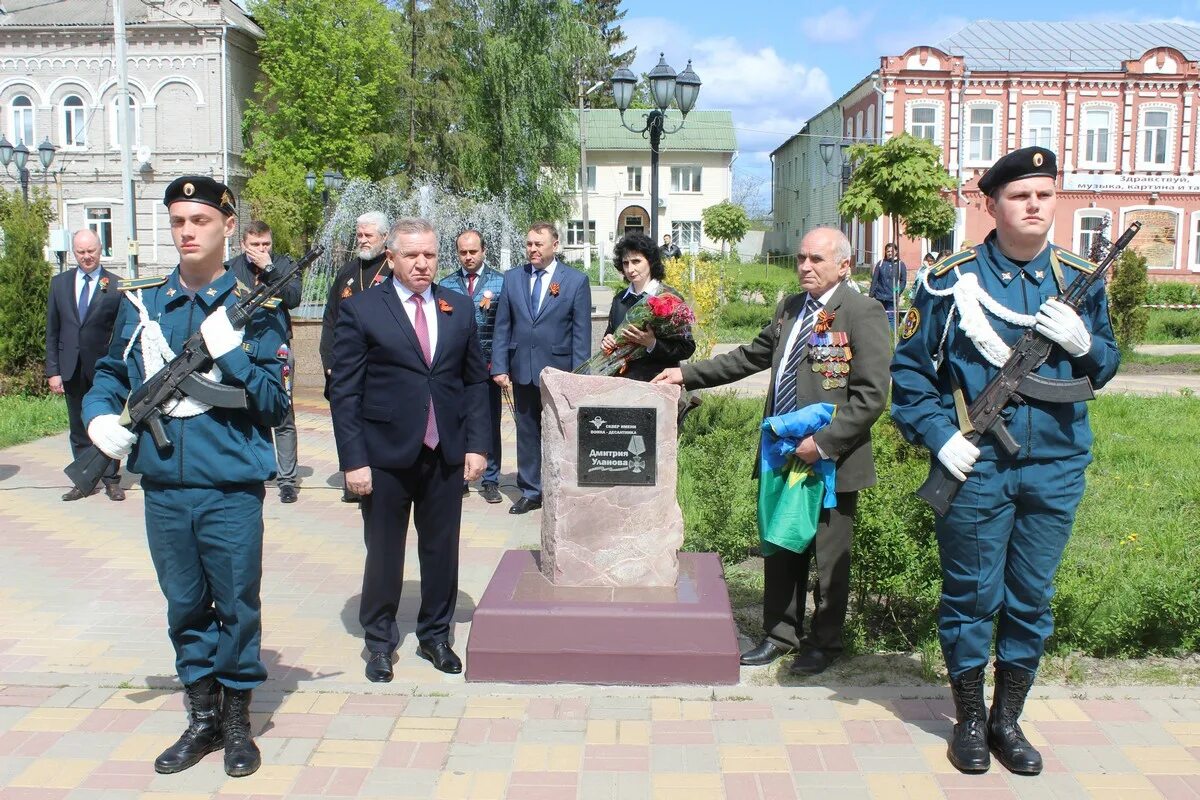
<point>192,66</point>
<point>694,172</point>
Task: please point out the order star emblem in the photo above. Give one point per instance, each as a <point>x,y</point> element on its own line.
<point>170,292</point>
<point>211,293</point>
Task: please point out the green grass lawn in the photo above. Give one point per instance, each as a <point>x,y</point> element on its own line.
<point>1172,326</point>
<point>23,419</point>
<point>1186,363</point>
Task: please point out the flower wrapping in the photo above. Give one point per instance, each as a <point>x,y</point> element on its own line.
<point>666,315</point>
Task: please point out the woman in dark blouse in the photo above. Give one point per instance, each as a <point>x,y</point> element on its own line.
<point>639,260</point>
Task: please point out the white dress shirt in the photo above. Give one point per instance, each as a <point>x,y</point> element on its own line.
<point>93,286</point>
<point>652,288</point>
<point>429,308</point>
<point>547,279</point>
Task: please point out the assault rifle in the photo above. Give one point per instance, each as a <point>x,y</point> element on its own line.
<point>1015,382</point>
<point>181,378</point>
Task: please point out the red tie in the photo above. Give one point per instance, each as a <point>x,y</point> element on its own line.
<point>470,283</point>
<point>422,328</point>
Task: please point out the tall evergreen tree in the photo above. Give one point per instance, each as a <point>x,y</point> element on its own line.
<point>604,17</point>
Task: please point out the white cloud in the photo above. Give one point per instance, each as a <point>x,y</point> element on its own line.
<point>838,24</point>
<point>894,41</point>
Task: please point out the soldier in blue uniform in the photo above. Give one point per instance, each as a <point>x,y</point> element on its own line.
<point>484,286</point>
<point>1001,542</point>
<point>203,493</point>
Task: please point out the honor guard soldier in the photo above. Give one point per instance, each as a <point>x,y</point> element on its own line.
<point>204,489</point>
<point>1002,538</point>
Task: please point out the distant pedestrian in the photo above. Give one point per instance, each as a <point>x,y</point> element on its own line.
<point>670,249</point>
<point>888,280</point>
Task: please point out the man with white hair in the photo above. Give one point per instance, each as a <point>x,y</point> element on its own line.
<point>366,267</point>
<point>828,344</point>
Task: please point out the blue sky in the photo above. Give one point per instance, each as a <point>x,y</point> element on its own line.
<point>775,63</point>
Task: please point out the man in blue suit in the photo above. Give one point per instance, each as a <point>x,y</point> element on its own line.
<point>544,320</point>
<point>409,403</point>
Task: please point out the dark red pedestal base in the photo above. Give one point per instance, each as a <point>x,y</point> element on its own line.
<point>526,630</point>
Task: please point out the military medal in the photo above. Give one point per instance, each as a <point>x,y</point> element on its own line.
<point>170,292</point>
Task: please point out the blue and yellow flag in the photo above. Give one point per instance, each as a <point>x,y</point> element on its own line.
<point>792,493</point>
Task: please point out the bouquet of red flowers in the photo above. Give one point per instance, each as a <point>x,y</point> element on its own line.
<point>665,315</point>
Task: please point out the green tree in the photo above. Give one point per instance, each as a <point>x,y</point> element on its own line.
<point>726,222</point>
<point>604,16</point>
<point>327,98</point>
<point>902,179</point>
<point>1126,294</point>
<point>24,291</point>
<point>278,195</point>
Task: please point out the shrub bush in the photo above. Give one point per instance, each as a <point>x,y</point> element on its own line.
<point>738,314</point>
<point>24,292</point>
<point>1173,292</point>
<point>1166,325</point>
<point>1126,294</point>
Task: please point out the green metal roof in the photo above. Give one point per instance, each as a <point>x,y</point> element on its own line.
<point>704,130</point>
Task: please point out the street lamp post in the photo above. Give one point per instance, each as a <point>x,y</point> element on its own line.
<point>19,156</point>
<point>826,148</point>
<point>331,181</point>
<point>664,83</point>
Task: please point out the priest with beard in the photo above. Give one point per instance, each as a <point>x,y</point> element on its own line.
<point>366,267</point>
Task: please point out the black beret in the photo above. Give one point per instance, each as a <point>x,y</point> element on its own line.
<point>201,189</point>
<point>1028,162</point>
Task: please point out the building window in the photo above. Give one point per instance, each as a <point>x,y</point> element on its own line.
<point>685,179</point>
<point>1091,229</point>
<point>99,220</point>
<point>1038,128</point>
<point>1154,127</point>
<point>1097,136</point>
<point>114,124</point>
<point>1195,241</point>
<point>74,122</point>
<point>686,235</point>
<point>591,180</point>
<point>923,124</point>
<point>575,232</point>
<point>981,134</point>
<point>633,179</point>
<point>21,120</point>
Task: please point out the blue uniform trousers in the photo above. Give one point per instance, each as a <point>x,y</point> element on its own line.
<point>527,398</point>
<point>206,545</point>
<point>492,473</point>
<point>1000,546</point>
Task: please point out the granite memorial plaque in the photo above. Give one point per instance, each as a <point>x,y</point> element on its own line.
<point>617,446</point>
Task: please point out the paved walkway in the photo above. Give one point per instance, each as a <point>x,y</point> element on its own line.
<point>88,698</point>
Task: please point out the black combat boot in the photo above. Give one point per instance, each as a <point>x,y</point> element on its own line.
<point>1004,734</point>
<point>203,734</point>
<point>241,753</point>
<point>968,750</point>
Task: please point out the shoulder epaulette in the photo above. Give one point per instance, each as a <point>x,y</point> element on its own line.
<point>142,283</point>
<point>1074,261</point>
<point>951,261</point>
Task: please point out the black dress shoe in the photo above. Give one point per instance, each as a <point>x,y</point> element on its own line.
<point>379,667</point>
<point>441,655</point>
<point>491,492</point>
<point>74,494</point>
<point>525,505</point>
<point>288,493</point>
<point>764,653</point>
<point>466,489</point>
<point>812,662</point>
<point>114,492</point>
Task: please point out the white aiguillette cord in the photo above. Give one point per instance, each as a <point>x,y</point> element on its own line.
<point>155,355</point>
<point>969,301</point>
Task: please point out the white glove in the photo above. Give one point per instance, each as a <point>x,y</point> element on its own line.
<point>110,436</point>
<point>219,336</point>
<point>1059,323</point>
<point>958,455</point>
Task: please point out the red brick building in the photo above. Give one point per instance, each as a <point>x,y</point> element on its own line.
<point>1116,102</point>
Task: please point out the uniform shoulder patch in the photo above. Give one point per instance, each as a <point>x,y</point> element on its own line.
<point>1074,261</point>
<point>142,283</point>
<point>912,321</point>
<point>951,261</point>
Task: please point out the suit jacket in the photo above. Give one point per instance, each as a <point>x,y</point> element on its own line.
<point>72,345</point>
<point>381,391</point>
<point>847,439</point>
<point>247,273</point>
<point>354,276</point>
<point>488,288</point>
<point>560,336</point>
<point>667,352</point>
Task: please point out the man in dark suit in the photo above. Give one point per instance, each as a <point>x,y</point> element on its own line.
<point>257,253</point>
<point>828,303</point>
<point>409,402</point>
<point>544,320</point>
<point>79,324</point>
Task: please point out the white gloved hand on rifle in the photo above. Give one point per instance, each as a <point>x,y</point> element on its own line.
<point>1059,323</point>
<point>958,456</point>
<point>110,436</point>
<point>219,335</point>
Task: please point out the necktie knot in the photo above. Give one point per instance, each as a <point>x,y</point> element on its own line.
<point>87,276</point>
<point>418,299</point>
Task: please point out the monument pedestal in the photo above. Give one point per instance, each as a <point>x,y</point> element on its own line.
<point>526,629</point>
